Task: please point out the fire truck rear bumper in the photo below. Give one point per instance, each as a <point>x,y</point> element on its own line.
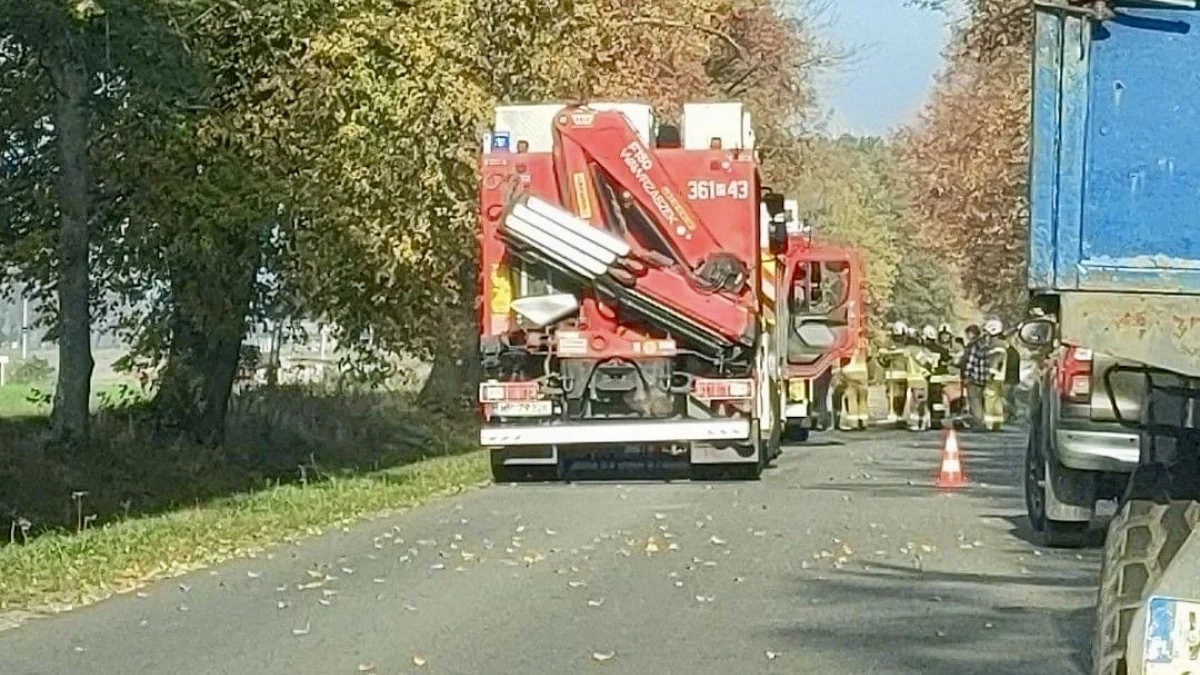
<point>598,433</point>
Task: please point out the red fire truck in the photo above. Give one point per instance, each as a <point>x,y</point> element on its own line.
<point>625,306</point>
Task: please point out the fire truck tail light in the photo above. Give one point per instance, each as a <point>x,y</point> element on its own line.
<point>495,392</point>
<point>722,390</point>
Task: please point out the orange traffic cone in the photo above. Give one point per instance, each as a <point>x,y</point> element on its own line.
<point>951,473</point>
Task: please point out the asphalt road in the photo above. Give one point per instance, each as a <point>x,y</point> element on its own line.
<point>843,559</point>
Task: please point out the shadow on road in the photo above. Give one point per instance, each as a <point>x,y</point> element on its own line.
<point>945,622</point>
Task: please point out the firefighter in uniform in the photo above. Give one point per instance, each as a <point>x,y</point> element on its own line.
<point>854,413</point>
<point>993,390</point>
<point>941,380</point>
<point>895,377</point>
<point>918,360</point>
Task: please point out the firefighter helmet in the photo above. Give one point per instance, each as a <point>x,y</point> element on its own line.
<point>899,329</point>
<point>929,332</point>
<point>993,327</point>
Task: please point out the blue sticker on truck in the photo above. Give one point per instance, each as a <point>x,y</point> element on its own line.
<point>501,141</point>
<point>1161,631</point>
<point>1172,637</point>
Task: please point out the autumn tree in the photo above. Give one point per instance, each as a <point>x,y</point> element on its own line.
<point>968,155</point>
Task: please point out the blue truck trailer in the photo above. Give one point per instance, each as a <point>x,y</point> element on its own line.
<point>1114,266</point>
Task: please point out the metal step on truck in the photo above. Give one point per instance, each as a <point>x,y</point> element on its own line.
<point>625,312</point>
<point>1114,269</point>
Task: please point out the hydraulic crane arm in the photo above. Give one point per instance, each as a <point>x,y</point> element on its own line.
<point>586,138</point>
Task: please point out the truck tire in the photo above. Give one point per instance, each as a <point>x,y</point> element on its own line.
<point>1142,539</point>
<point>1051,533</point>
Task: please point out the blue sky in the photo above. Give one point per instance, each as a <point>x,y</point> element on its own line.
<point>897,52</point>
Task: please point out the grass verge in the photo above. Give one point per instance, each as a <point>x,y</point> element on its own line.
<point>60,570</point>
<point>135,508</point>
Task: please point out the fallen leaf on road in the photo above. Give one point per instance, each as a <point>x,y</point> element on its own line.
<point>651,547</point>
<point>738,580</point>
<point>426,542</point>
<point>379,580</point>
<point>437,566</point>
<point>987,625</point>
<point>596,603</point>
<point>183,608</point>
<point>520,529</point>
<point>704,598</point>
<point>282,604</point>
<point>302,631</point>
<point>253,575</point>
<point>142,594</point>
<point>576,584</point>
<point>366,667</point>
<point>323,602</point>
<point>660,516</point>
<point>624,552</point>
<point>716,541</point>
<point>602,656</point>
<point>185,588</point>
<point>771,656</point>
<point>347,571</point>
<point>329,592</point>
<point>419,661</point>
<point>678,584</point>
<point>410,608</point>
<point>550,532</point>
<point>941,633</point>
<point>673,546</point>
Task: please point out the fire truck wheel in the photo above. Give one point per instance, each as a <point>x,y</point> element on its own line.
<point>722,472</point>
<point>794,433</point>
<point>1142,539</point>
<point>508,473</point>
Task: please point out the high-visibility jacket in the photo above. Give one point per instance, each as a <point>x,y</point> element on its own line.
<point>856,366</point>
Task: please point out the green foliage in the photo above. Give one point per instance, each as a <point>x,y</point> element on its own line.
<point>264,161</point>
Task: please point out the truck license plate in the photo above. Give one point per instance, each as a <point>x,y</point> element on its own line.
<point>522,408</point>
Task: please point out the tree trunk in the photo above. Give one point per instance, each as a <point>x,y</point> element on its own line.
<point>455,372</point>
<point>69,417</point>
<point>202,364</point>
